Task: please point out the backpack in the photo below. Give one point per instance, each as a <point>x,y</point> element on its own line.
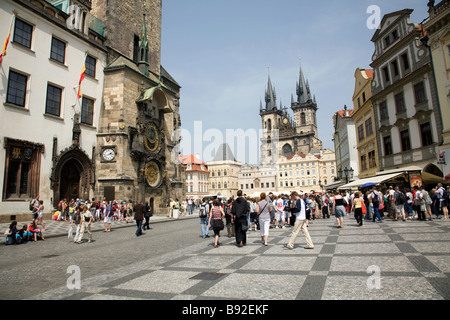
<point>202,213</point>
<point>401,197</point>
<point>375,199</point>
<point>445,194</point>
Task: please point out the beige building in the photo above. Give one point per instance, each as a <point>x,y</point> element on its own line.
<point>224,173</point>
<point>197,175</point>
<point>253,180</point>
<point>306,172</point>
<point>364,119</point>
<point>438,33</point>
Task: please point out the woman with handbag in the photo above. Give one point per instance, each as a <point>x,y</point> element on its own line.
<point>359,207</point>
<point>263,209</point>
<point>216,215</point>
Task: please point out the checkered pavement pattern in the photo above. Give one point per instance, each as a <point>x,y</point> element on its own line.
<point>378,261</point>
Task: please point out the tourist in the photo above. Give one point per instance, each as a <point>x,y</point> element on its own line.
<point>443,198</point>
<point>280,215</point>
<point>40,214</point>
<point>399,200</point>
<point>339,209</point>
<point>420,203</point>
<point>108,217</point>
<point>139,217</point>
<point>229,219</point>
<point>10,233</point>
<point>216,216</point>
<point>376,198</point>
<point>147,215</point>
<point>239,210</point>
<point>204,218</point>
<point>300,223</point>
<point>253,215</point>
<point>427,203</point>
<point>85,224</point>
<point>358,207</point>
<point>263,209</point>
<point>435,203</point>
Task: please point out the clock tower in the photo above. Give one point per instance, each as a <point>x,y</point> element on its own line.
<point>136,138</point>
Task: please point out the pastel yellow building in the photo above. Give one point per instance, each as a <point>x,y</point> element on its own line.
<point>438,32</point>
<point>364,118</point>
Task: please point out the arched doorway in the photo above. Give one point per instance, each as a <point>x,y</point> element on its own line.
<point>72,175</point>
<point>70,182</point>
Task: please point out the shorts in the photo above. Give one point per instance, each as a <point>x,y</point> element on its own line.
<point>281,216</point>
<point>107,219</point>
<point>399,208</point>
<point>340,212</point>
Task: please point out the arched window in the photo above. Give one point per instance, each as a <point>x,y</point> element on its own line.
<point>269,125</point>
<point>302,118</point>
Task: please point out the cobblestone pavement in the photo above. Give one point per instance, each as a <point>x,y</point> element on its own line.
<point>379,261</point>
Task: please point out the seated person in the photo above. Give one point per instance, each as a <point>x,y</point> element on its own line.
<point>11,233</point>
<point>36,232</point>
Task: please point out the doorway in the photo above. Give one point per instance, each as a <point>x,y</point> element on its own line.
<point>70,181</point>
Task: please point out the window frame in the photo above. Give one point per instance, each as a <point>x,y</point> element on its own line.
<point>48,110</point>
<point>24,89</point>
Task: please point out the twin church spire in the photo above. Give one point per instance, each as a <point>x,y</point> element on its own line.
<point>302,90</point>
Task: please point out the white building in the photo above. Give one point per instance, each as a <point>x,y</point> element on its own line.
<point>345,143</point>
<point>47,134</point>
<point>408,122</point>
<point>253,180</point>
<point>306,172</point>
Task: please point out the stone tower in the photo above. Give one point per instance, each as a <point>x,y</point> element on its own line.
<point>137,141</point>
<point>284,135</point>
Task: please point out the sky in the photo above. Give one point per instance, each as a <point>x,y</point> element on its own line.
<point>221,53</point>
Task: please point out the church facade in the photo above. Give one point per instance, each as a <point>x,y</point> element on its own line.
<point>284,135</point>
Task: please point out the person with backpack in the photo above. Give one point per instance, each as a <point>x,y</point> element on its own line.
<point>228,218</point>
<point>400,200</point>
<point>376,198</point>
<point>428,202</point>
<point>300,223</point>
<point>204,214</point>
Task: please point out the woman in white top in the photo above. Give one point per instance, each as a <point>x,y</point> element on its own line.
<point>41,214</point>
<point>263,209</point>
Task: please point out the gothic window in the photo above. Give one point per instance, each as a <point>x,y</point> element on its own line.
<point>269,125</point>
<point>302,118</point>
<point>287,150</point>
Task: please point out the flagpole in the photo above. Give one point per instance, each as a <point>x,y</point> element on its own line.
<point>5,45</point>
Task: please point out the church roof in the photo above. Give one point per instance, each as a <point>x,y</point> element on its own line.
<point>224,153</point>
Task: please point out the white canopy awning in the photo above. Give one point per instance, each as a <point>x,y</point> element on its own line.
<point>376,180</point>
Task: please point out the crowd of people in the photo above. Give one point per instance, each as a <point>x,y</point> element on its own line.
<point>80,214</point>
<point>242,213</point>
<point>281,211</point>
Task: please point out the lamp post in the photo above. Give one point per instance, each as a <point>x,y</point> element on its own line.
<point>346,174</point>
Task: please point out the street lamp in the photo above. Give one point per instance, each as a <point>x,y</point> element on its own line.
<point>348,173</point>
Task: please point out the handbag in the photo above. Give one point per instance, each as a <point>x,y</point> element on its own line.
<point>218,224</point>
<point>363,207</point>
<point>244,224</point>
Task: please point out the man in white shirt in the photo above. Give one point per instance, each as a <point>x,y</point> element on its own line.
<point>279,212</point>
<point>300,223</point>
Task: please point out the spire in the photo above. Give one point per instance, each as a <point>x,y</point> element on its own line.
<point>271,98</point>
<point>143,46</point>
<point>302,90</point>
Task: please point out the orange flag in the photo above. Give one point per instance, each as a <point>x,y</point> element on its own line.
<point>81,78</point>
<point>5,45</point>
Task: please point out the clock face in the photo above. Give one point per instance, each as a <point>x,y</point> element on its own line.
<point>152,174</point>
<point>152,138</point>
<point>109,154</point>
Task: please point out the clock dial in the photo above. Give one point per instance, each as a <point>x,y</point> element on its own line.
<point>109,154</point>
<point>152,138</point>
<point>152,174</point>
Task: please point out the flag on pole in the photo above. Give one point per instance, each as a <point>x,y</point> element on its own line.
<point>83,70</point>
<point>5,45</point>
